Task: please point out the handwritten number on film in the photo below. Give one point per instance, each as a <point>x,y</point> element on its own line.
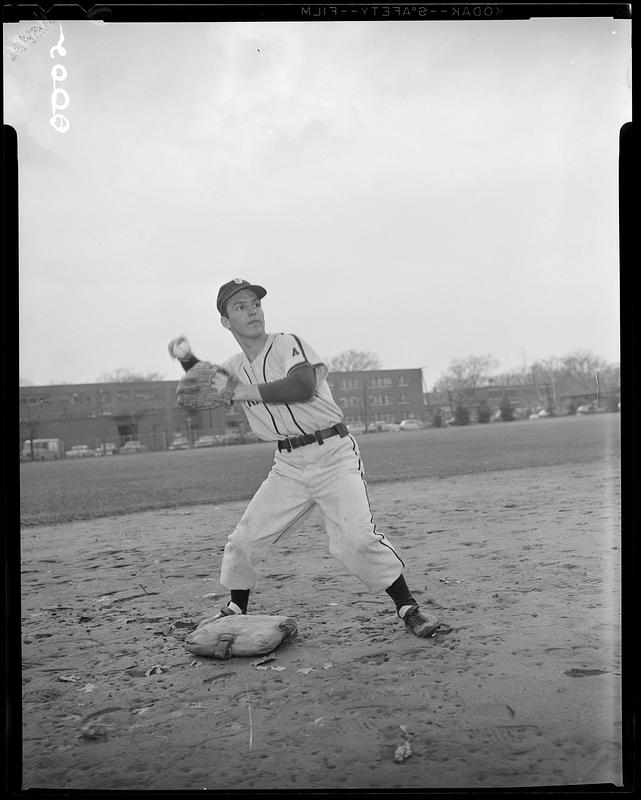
<point>59,97</point>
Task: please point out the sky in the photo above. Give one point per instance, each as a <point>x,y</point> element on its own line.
<point>422,191</point>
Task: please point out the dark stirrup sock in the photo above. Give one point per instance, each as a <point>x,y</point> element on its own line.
<point>400,593</point>
<point>241,598</point>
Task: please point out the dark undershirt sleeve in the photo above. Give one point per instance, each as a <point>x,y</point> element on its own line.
<point>297,387</point>
<point>190,362</point>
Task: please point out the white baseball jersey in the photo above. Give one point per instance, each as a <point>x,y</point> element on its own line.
<point>272,421</point>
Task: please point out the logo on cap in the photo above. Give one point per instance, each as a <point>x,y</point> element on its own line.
<point>238,280</point>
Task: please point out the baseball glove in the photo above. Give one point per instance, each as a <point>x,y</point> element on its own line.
<point>240,635</point>
<point>205,385</point>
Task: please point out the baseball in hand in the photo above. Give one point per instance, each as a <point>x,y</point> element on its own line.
<point>179,348</point>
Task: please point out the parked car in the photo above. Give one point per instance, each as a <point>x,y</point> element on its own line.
<point>41,450</point>
<point>106,449</point>
<point>208,441</point>
<point>586,409</point>
<point>179,443</point>
<point>132,447</point>
<point>79,451</point>
<point>411,425</point>
<point>383,427</point>
<point>231,437</point>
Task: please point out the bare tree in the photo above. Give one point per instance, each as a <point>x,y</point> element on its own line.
<point>353,361</point>
<point>123,375</point>
<point>519,376</point>
<point>582,365</point>
<point>466,373</point>
<point>28,425</point>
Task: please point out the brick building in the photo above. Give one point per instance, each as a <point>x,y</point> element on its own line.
<point>379,395</point>
<point>110,412</point>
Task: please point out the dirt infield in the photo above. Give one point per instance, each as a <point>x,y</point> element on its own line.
<point>524,690</point>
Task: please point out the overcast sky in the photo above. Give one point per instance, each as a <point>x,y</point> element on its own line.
<point>424,191</point>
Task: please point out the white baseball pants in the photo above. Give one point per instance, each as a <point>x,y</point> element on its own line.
<point>330,477</point>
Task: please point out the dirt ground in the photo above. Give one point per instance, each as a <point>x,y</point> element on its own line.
<point>522,565</point>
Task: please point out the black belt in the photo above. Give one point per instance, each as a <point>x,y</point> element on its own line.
<point>291,443</point>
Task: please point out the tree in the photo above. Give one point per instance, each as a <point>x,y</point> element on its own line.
<point>123,375</point>
<point>521,376</point>
<point>582,365</point>
<point>466,373</point>
<point>461,414</point>
<point>507,412</point>
<point>353,361</point>
<point>28,425</point>
<point>484,412</point>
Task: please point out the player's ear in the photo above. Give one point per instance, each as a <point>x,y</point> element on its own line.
<point>224,321</point>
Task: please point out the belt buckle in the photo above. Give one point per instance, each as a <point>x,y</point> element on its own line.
<point>286,444</point>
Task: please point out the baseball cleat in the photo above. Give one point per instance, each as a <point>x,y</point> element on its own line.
<point>227,611</point>
<point>423,625</point>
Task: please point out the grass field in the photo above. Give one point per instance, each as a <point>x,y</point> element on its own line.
<point>57,492</point>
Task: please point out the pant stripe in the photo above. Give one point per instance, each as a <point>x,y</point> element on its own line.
<point>369,505</point>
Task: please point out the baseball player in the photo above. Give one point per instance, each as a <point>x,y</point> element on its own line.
<point>281,384</point>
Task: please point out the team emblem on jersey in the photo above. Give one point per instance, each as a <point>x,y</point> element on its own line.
<point>295,352</point>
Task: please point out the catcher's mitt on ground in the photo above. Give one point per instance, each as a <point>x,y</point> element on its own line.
<point>240,635</point>
<point>205,385</point>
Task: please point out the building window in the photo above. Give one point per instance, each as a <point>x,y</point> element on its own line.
<point>380,400</point>
<point>402,382</point>
<point>403,399</point>
<point>379,383</point>
<point>385,417</point>
<point>124,395</point>
<point>355,401</point>
<point>349,383</point>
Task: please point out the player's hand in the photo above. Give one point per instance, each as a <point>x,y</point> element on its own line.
<point>180,348</point>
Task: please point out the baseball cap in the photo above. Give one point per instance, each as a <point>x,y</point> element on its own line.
<point>229,290</point>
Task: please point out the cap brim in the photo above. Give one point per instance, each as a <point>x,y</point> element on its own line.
<point>260,292</point>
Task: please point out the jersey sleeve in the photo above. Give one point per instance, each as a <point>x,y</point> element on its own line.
<point>296,351</point>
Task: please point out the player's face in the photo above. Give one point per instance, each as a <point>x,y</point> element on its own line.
<point>245,315</point>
